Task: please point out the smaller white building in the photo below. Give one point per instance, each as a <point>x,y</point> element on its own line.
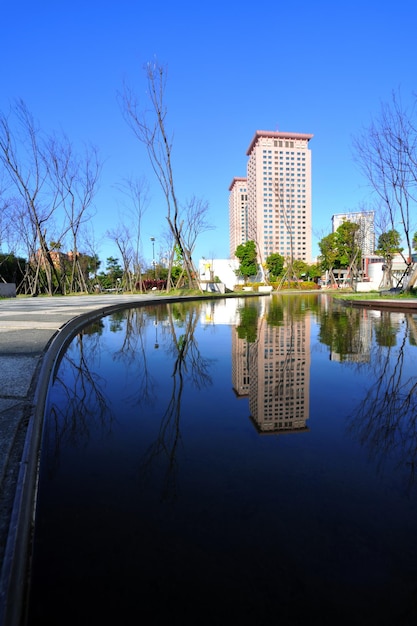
<point>224,270</point>
<point>373,273</point>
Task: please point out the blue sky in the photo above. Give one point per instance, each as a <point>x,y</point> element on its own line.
<point>317,67</point>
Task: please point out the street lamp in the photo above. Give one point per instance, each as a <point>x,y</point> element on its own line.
<point>153,255</point>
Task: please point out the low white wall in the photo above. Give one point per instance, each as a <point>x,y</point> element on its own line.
<point>366,286</point>
<point>214,287</point>
<point>7,290</point>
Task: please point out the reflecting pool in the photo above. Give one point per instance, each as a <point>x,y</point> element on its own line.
<point>236,461</point>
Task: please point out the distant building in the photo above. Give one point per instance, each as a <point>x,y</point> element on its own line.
<point>238,214</point>
<point>59,259</point>
<point>278,211</point>
<point>366,232</point>
<point>62,261</point>
<point>224,270</point>
<point>373,273</point>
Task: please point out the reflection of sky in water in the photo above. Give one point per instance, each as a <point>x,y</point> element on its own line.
<point>158,486</point>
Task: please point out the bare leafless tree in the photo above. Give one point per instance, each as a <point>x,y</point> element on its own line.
<point>25,232</point>
<point>23,157</point>
<point>386,153</point>
<point>286,218</point>
<point>150,127</point>
<point>91,246</point>
<point>193,222</point>
<point>6,209</point>
<point>122,238</point>
<point>136,193</point>
<point>169,257</point>
<point>75,179</point>
<point>52,190</point>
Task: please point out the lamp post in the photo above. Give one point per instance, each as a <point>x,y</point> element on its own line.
<point>153,256</point>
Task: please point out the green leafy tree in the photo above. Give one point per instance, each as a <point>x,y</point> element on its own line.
<point>114,271</point>
<point>275,265</point>
<point>113,268</point>
<point>177,265</point>
<point>348,250</point>
<point>314,271</point>
<point>11,268</point>
<point>246,253</point>
<point>91,263</point>
<point>340,249</point>
<point>388,246</point>
<point>329,254</point>
<point>300,268</point>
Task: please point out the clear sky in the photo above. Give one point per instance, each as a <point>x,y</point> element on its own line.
<point>320,67</point>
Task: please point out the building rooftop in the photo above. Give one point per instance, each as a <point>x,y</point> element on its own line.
<point>276,135</point>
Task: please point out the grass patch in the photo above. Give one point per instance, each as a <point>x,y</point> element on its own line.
<point>375,295</point>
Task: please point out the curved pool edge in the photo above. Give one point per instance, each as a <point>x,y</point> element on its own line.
<point>408,305</point>
<point>15,570</point>
<point>15,576</point>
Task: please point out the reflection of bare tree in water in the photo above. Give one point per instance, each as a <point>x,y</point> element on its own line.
<point>85,406</point>
<point>133,354</point>
<point>386,419</point>
<point>188,366</point>
<point>82,405</point>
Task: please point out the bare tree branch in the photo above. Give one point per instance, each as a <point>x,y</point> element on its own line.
<point>154,135</point>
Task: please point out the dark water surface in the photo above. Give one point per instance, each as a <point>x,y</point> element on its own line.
<point>244,461</point>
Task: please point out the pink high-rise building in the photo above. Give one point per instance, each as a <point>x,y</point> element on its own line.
<point>238,214</point>
<point>275,209</point>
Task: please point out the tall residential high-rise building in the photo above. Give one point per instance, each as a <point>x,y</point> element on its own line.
<point>238,218</point>
<point>366,231</point>
<point>279,205</point>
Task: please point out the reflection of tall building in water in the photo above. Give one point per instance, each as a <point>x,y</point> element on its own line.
<point>241,354</point>
<point>275,371</point>
<point>280,379</point>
